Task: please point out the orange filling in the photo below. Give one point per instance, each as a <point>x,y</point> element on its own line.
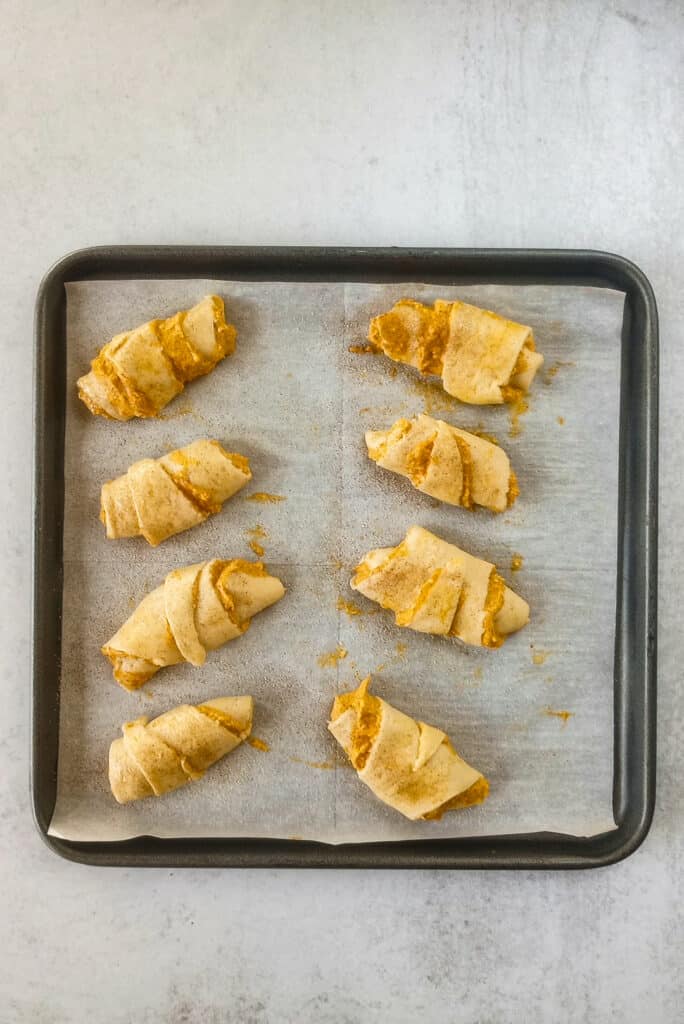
<point>225,334</point>
<point>129,680</point>
<point>185,363</point>
<point>434,342</point>
<point>220,575</point>
<point>390,334</point>
<point>398,431</point>
<point>266,499</point>
<point>513,489</point>
<point>394,582</point>
<point>222,718</point>
<point>513,395</point>
<point>423,346</point>
<point>493,605</point>
<point>201,498</point>
<point>92,405</point>
<point>466,498</point>
<point>406,617</point>
<point>240,565</point>
<point>126,399</point>
<point>240,462</point>
<point>475,794</point>
<point>418,460</point>
<point>368,711</point>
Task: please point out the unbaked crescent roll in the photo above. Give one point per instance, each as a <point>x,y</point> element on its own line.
<point>434,587</point>
<point>482,358</point>
<point>156,498</point>
<point>152,758</point>
<point>407,764</point>
<point>445,462</point>
<point>195,610</point>
<point>138,372</point>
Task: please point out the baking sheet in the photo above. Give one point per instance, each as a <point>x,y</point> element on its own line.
<point>296,401</point>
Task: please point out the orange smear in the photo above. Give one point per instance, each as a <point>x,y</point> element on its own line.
<point>266,499</point>
<point>563,715</point>
<point>516,562</point>
<point>325,766</point>
<point>258,744</point>
<point>257,533</point>
<point>364,350</point>
<point>331,659</point>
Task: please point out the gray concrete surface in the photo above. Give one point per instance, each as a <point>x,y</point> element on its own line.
<point>486,123</point>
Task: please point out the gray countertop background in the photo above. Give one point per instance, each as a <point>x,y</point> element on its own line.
<point>506,123</point>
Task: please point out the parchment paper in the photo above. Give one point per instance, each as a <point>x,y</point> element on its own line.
<point>296,402</point>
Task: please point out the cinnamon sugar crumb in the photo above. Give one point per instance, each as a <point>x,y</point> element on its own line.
<point>553,370</point>
<point>516,409</point>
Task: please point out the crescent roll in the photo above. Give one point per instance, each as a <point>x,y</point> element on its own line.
<point>195,610</point>
<point>434,587</point>
<point>156,498</point>
<point>482,358</point>
<point>138,372</point>
<point>153,758</point>
<point>407,764</point>
<point>446,463</point>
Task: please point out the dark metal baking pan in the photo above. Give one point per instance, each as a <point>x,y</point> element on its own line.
<point>636,568</point>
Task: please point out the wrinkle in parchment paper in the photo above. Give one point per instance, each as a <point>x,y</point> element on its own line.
<point>534,716</point>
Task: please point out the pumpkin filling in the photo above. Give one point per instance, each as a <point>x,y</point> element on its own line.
<point>466,499</point>
<point>392,337</point>
<point>513,489</point>
<point>418,460</point>
<point>493,605</point>
<point>475,794</point>
<point>434,343</point>
<point>368,711</point>
<point>222,718</point>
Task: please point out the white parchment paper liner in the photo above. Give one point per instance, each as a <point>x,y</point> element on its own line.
<point>296,401</point>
